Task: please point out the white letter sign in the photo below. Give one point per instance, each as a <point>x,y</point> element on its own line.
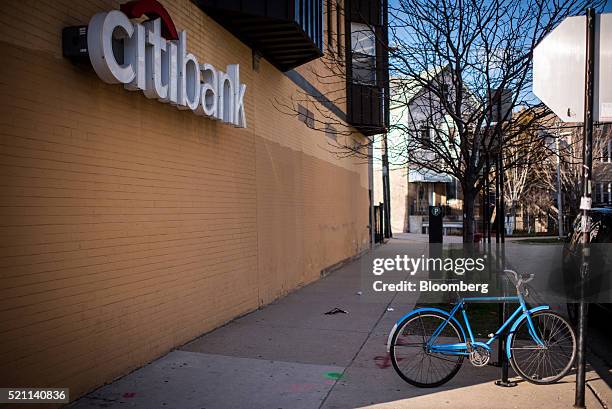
<point>163,69</point>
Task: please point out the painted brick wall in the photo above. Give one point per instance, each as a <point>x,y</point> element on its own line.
<point>128,227</point>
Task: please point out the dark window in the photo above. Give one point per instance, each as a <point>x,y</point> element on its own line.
<point>607,154</point>
<point>444,92</point>
<point>363,52</point>
<point>451,190</point>
<point>598,192</point>
<point>606,193</point>
<point>425,135</point>
<point>305,115</point>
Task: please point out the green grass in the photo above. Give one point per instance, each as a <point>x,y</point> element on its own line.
<point>547,240</point>
<point>483,317</point>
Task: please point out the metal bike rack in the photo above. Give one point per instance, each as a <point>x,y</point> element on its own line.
<point>502,358</point>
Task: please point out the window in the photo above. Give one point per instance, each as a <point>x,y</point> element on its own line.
<point>444,92</point>
<point>305,115</point>
<point>606,187</point>
<point>451,190</point>
<point>363,50</point>
<point>607,152</point>
<point>598,192</point>
<point>424,133</point>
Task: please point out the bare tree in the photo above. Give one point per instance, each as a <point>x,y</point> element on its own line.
<point>569,138</point>
<point>522,161</point>
<point>460,70</point>
<point>480,50</point>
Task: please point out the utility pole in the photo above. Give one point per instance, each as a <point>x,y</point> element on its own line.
<point>386,189</point>
<point>488,201</point>
<point>371,193</point>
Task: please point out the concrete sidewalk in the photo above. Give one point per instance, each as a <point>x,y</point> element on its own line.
<point>290,355</point>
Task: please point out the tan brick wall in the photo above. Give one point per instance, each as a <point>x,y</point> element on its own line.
<point>128,227</point>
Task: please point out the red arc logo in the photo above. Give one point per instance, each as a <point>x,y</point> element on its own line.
<point>152,9</point>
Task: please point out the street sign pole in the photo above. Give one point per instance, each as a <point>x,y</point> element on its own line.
<point>501,227</point>
<point>585,204</point>
<point>502,203</point>
<point>487,229</point>
<point>497,201</point>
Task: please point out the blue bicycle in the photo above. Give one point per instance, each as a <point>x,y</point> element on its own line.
<point>428,345</point>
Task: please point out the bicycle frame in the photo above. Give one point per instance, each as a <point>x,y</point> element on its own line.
<point>463,348</point>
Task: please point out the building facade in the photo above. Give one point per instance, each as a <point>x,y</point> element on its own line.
<point>602,165</point>
<point>129,226</point>
<point>418,118</point>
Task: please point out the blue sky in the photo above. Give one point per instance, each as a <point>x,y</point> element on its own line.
<point>608,7</point>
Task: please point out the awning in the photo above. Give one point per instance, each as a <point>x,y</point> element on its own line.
<point>428,176</point>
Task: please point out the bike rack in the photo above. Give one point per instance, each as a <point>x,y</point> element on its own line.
<point>502,358</point>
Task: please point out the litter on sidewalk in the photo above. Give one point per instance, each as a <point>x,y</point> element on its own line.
<point>336,310</point>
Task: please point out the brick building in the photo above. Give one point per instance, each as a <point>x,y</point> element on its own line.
<point>129,227</point>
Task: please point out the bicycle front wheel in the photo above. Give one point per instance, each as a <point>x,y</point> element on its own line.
<point>409,354</point>
<point>548,363</point>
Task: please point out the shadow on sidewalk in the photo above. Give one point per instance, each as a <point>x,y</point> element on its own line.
<point>291,355</point>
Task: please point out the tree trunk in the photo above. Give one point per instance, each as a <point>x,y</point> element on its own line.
<point>513,217</point>
<point>469,198</point>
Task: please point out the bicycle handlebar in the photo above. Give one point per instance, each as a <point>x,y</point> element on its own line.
<point>521,279</point>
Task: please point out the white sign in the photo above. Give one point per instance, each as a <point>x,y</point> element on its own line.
<point>559,63</point>
<point>164,70</point>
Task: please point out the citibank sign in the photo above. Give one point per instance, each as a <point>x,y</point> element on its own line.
<point>153,58</point>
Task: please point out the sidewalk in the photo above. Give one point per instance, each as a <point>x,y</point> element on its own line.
<point>290,355</point>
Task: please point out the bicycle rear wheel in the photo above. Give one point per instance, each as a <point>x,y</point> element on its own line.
<point>548,364</point>
<point>409,355</point>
